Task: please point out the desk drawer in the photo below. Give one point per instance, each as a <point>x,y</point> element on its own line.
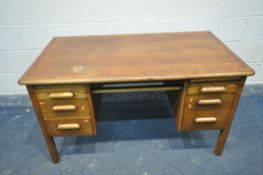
<point>64,108</point>
<point>207,111</point>
<point>54,92</point>
<point>212,88</point>
<point>67,127</point>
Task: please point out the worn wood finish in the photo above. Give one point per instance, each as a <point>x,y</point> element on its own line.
<point>193,110</point>
<point>218,80</point>
<point>66,82</point>
<point>54,127</point>
<point>222,101</point>
<point>91,109</point>
<point>49,139</point>
<point>179,110</point>
<point>81,108</point>
<point>137,57</point>
<point>224,132</point>
<point>60,92</point>
<point>212,87</point>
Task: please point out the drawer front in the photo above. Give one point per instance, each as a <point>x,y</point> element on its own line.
<point>70,127</point>
<point>207,111</point>
<point>52,109</point>
<point>54,92</point>
<point>210,88</point>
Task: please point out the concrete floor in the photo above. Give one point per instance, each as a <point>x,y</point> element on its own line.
<point>144,147</point>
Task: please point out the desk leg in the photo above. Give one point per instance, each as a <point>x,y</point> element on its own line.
<point>221,141</point>
<point>222,137</point>
<point>49,139</point>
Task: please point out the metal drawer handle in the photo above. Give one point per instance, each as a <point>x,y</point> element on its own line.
<point>64,108</point>
<point>209,102</point>
<point>61,95</point>
<point>213,89</point>
<point>206,120</point>
<point>68,126</point>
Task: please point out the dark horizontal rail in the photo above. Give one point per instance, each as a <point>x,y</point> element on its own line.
<point>135,89</point>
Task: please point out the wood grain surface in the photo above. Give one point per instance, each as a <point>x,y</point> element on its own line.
<point>136,57</point>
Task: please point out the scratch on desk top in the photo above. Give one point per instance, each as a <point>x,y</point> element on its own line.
<point>133,58</point>
<point>78,69</point>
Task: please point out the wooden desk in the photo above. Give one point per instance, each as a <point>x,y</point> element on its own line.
<point>202,77</point>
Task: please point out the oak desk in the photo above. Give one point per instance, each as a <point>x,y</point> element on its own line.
<point>202,77</point>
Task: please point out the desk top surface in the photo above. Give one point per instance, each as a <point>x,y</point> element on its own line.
<point>137,57</point>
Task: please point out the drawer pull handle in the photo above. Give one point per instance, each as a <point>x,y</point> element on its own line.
<point>209,102</point>
<point>68,126</point>
<point>61,95</point>
<point>64,108</point>
<point>213,89</point>
<point>206,120</point>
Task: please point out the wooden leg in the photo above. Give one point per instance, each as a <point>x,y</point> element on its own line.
<point>49,139</point>
<point>224,132</point>
<point>222,137</point>
<point>52,148</point>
